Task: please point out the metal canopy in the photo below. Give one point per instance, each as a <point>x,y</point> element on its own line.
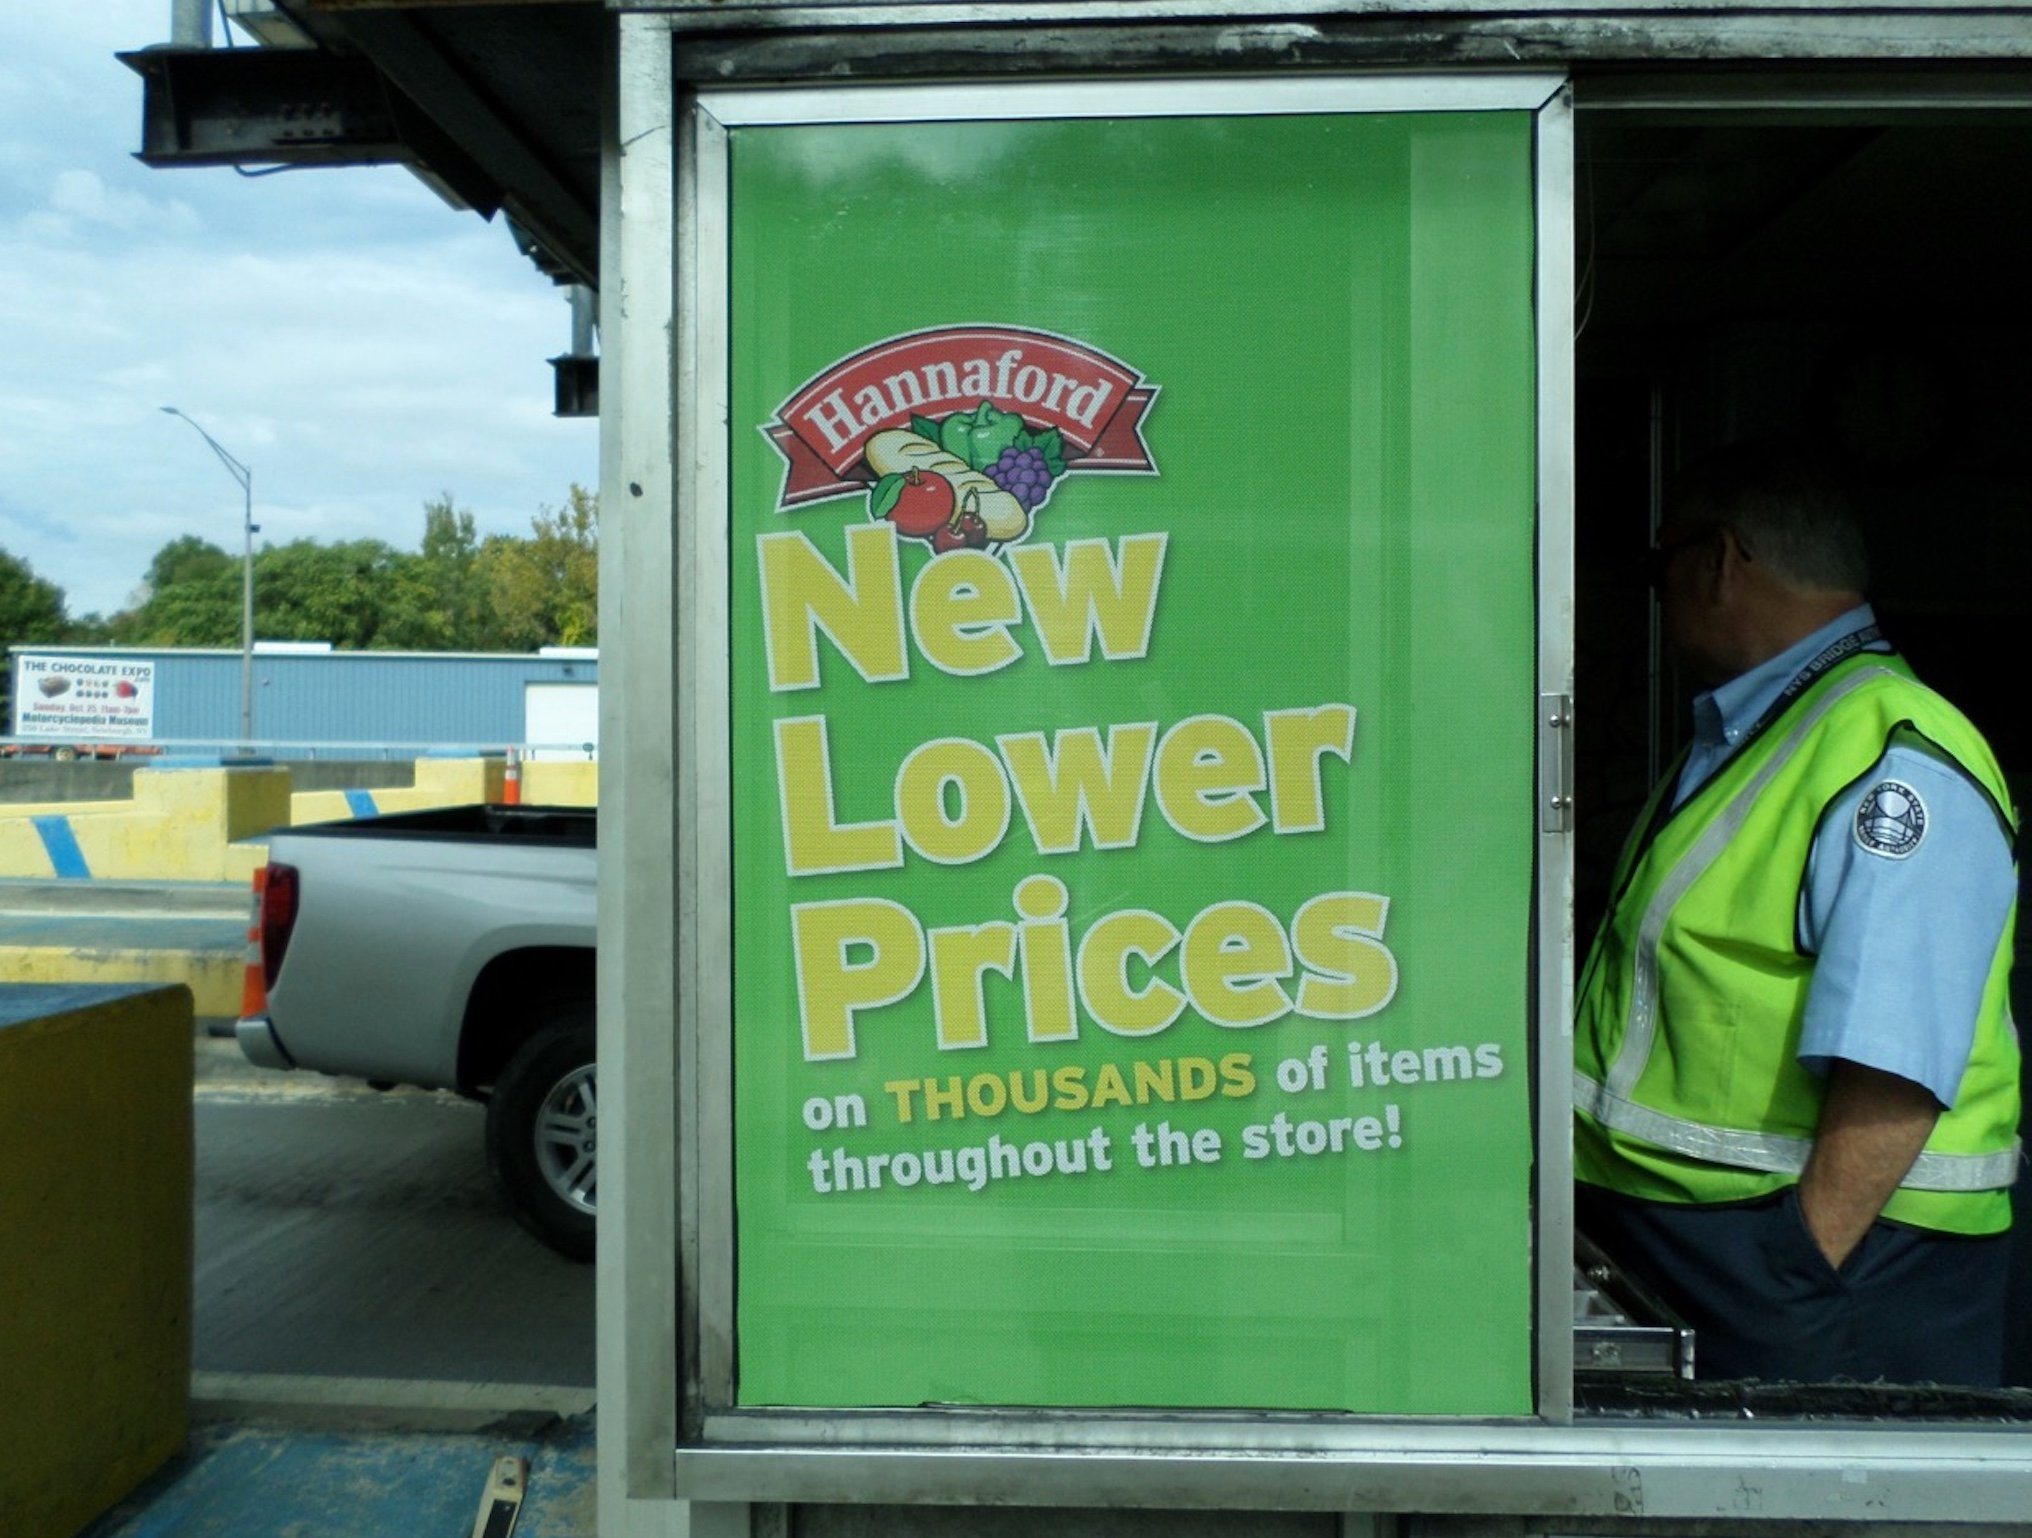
<point>498,104</point>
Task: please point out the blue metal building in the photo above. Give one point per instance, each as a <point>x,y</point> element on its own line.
<point>318,702</point>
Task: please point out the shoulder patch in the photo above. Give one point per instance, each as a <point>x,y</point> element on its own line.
<point>1891,821</point>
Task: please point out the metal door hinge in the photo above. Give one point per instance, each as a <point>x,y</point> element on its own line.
<point>1555,763</point>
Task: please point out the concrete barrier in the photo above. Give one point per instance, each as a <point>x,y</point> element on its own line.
<point>560,782</point>
<point>206,954</point>
<point>43,779</point>
<point>182,824</point>
<point>438,782</point>
<point>95,1210</point>
<point>199,823</point>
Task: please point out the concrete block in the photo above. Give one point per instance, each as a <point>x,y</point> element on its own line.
<point>211,969</point>
<point>309,806</point>
<point>459,781</point>
<point>95,1247</point>
<point>241,802</point>
<point>440,782</point>
<point>561,782</point>
<point>182,825</point>
<point>22,851</point>
<point>200,823</point>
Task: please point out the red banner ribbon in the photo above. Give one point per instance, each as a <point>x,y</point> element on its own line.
<point>1097,403</point>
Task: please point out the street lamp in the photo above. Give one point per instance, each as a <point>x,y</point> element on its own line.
<point>245,477</point>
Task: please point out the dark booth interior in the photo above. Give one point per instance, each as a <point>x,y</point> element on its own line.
<point>1856,278</point>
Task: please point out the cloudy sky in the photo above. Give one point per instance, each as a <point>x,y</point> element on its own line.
<point>359,344</point>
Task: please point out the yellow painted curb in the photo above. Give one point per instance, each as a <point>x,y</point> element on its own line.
<point>213,977</point>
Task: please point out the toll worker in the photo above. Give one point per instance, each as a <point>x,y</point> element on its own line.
<point>1796,1076</point>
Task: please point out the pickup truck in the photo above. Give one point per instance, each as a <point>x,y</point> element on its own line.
<point>450,949</point>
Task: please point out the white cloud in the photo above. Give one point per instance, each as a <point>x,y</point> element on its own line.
<point>82,200</point>
<point>82,208</point>
<point>361,346</point>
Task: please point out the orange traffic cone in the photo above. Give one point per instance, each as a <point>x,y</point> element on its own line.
<point>511,780</point>
<point>254,981</point>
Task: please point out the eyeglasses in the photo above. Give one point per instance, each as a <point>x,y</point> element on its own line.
<point>1658,559</point>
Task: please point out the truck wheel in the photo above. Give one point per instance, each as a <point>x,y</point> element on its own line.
<point>541,1131</point>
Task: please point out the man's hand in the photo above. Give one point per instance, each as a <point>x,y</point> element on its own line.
<point>1872,1127</point>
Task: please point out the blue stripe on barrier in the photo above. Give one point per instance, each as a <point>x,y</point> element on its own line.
<point>361,803</point>
<point>61,845</point>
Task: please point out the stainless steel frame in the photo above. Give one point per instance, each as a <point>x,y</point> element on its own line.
<point>1730,1479</point>
<point>645,959</point>
<point>664,962</point>
<point>1554,942</point>
<point>704,1135</point>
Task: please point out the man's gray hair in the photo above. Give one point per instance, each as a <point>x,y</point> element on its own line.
<point>1786,504</point>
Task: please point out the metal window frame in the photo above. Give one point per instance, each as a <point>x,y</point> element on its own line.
<point>666,1263</point>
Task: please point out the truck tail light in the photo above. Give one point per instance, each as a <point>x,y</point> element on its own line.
<point>253,981</point>
<point>277,897</point>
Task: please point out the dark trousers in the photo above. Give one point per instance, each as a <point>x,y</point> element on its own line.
<point>1908,1306</point>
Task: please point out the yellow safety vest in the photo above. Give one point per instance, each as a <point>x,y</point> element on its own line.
<point>1687,1083</point>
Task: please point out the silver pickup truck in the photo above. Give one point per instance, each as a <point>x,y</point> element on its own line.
<point>451,949</point>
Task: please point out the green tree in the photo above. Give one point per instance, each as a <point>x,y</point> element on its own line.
<point>31,613</point>
<point>190,596</point>
<point>545,590</point>
<point>457,592</point>
<point>448,568</point>
<point>31,607</point>
<point>358,594</point>
<point>187,559</point>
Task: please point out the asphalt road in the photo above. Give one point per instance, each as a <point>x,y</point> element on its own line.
<point>344,1233</point>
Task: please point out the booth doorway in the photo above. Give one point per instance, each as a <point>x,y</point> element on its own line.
<point>1855,277</point>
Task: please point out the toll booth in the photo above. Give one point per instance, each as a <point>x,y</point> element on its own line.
<point>1130,533</point>
<point>1126,670</point>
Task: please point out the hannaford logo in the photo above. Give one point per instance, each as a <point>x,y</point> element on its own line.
<point>958,435</point>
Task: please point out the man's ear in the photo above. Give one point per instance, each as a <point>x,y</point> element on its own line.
<point>1727,562</point>
<point>1709,562</point>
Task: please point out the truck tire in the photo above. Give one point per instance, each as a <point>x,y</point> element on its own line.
<point>541,1128</point>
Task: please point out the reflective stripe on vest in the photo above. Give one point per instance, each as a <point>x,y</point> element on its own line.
<point>1609,1101</point>
<point>1774,1152</point>
<point>1635,1052</point>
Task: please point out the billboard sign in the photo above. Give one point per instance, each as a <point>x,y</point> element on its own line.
<point>1131,697</point>
<point>77,698</point>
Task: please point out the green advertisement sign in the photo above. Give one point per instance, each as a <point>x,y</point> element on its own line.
<point>1132,648</point>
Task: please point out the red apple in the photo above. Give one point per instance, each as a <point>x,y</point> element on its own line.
<point>924,503</point>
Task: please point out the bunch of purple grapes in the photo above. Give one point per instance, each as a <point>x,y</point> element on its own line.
<point>1023,474</point>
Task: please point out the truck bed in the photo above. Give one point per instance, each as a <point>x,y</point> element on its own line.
<point>571,826</point>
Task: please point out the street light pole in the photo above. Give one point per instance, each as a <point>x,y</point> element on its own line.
<point>245,477</point>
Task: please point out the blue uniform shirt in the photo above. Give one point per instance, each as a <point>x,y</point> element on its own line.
<point>1902,906</point>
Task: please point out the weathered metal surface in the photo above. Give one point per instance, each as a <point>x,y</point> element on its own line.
<point>243,106</point>
<point>1589,30</point>
<point>247,1481</point>
<point>799,11</point>
<point>830,50</point>
<point>541,147</point>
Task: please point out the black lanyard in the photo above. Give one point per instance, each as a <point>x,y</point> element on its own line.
<point>1840,650</point>
<point>1670,802</point>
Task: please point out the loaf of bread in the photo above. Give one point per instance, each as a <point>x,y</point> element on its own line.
<point>898,450</point>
